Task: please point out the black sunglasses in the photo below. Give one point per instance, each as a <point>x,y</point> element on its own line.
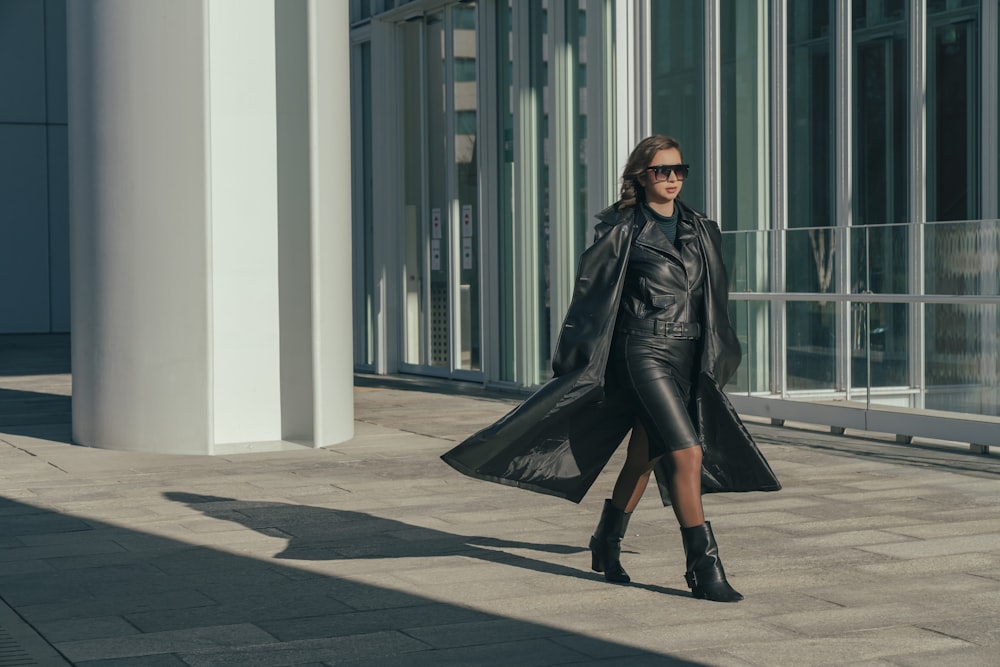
<point>661,172</point>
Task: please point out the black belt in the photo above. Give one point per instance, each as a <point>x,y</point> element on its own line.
<point>660,327</point>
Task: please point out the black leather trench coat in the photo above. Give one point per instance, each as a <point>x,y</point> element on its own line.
<point>559,439</point>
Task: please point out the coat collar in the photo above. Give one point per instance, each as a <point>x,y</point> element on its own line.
<point>615,213</point>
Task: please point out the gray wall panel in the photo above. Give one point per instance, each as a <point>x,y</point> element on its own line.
<point>22,61</point>
<point>55,59</point>
<point>58,230</point>
<point>24,230</point>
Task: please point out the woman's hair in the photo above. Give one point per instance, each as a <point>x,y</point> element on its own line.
<point>632,191</point>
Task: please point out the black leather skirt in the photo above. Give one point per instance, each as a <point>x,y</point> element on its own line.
<point>657,372</point>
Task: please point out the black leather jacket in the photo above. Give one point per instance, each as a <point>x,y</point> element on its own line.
<point>664,281</point>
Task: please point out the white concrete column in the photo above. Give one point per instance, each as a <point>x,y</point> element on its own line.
<point>314,204</point>
<point>177,279</point>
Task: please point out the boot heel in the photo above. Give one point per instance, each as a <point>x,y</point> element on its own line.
<point>595,560</point>
<point>605,544</point>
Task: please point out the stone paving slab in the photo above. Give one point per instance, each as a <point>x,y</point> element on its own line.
<point>374,552</point>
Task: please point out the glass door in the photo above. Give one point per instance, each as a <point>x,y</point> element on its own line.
<point>440,225</point>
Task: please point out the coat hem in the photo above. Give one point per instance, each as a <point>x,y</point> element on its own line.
<point>527,486</point>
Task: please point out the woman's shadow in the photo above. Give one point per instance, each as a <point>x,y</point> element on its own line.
<point>321,533</point>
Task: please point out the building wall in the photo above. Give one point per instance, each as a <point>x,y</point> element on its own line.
<point>34,233</point>
<point>847,149</point>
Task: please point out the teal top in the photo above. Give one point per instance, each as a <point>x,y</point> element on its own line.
<point>667,225</point>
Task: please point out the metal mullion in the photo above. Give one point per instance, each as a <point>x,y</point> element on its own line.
<point>779,190</point>
<point>454,246</point>
<point>990,109</point>
<point>424,359</point>
<point>487,96</point>
<point>358,221</point>
<point>989,140</point>
<point>713,115</point>
<point>843,162</point>
<point>526,365</point>
<point>633,96</point>
<point>562,214</point>
<point>387,249</point>
<point>917,194</point>
<point>643,82</point>
<point>601,174</point>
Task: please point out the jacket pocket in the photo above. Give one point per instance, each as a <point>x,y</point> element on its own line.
<point>662,300</point>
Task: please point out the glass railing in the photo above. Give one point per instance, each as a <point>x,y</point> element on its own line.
<point>910,318</point>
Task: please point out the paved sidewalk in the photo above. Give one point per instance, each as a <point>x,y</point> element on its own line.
<point>374,552</point>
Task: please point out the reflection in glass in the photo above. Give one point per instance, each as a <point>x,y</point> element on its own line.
<point>576,37</point>
<point>467,185</point>
<point>752,322</point>
<point>811,358</point>
<point>963,258</point>
<point>745,140</point>
<point>541,46</point>
<point>413,235</point>
<point>879,345</point>
<point>879,259</point>
<point>953,134</point>
<point>810,260</point>
<point>880,112</point>
<point>437,192</point>
<point>505,218</point>
<point>810,118</point>
<point>963,366</point>
<point>747,256</point>
<point>362,142</point>
<point>678,84</point>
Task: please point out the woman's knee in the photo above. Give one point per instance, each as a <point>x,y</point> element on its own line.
<point>686,459</point>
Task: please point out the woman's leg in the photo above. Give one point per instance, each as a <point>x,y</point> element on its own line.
<point>685,486</point>
<point>605,545</point>
<point>705,575</point>
<point>634,475</point>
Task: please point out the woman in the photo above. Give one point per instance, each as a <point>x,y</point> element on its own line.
<point>646,344</point>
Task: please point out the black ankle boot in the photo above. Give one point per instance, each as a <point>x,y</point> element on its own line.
<point>606,544</point>
<point>705,576</point>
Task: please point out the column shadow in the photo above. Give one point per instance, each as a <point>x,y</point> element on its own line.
<point>322,533</point>
<point>105,594</point>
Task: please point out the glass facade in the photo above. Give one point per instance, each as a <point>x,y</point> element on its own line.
<point>364,257</point>
<point>677,92</point>
<point>846,147</point>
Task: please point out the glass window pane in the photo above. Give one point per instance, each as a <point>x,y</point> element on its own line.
<point>811,359</point>
<point>542,46</point>
<point>467,185</point>
<point>465,67</point>
<point>360,10</point>
<point>505,219</point>
<point>678,85</point>
<point>880,345</point>
<point>962,258</point>
<point>944,5</point>
<point>413,236</point>
<point>881,164</point>
<point>879,259</point>
<point>953,132</point>
<point>873,13</point>
<point>810,263</point>
<point>810,115</point>
<point>361,138</point>
<point>962,360</point>
<point>752,320</point>
<point>438,209</point>
<point>745,136</point>
<point>747,256</point>
<point>585,209</point>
